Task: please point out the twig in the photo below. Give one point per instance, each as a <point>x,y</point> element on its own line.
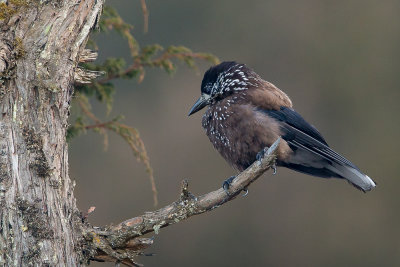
<point>119,237</point>
<point>140,65</point>
<point>145,15</point>
<point>97,125</point>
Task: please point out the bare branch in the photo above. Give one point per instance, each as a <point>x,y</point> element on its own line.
<point>87,55</point>
<point>84,76</point>
<point>116,242</point>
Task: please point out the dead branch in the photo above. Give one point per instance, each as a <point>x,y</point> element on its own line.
<point>87,55</point>
<point>124,241</point>
<point>84,76</point>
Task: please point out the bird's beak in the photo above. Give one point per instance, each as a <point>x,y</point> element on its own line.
<point>200,103</point>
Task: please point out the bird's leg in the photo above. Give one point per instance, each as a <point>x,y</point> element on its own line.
<point>227,183</point>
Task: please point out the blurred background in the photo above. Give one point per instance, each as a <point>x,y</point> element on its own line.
<point>339,62</point>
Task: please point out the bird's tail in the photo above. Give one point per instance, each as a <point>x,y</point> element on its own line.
<point>354,176</point>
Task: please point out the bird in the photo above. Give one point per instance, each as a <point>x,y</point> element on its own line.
<point>247,114</point>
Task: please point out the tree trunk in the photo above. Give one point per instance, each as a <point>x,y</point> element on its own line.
<point>40,44</point>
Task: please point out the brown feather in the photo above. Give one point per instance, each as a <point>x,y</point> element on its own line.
<point>268,96</point>
<point>239,140</point>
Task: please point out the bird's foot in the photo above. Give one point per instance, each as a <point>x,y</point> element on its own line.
<point>267,151</point>
<point>260,155</point>
<point>227,183</point>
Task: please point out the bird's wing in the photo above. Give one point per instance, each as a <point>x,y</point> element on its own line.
<point>298,133</point>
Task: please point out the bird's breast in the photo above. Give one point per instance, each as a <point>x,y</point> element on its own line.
<point>238,132</point>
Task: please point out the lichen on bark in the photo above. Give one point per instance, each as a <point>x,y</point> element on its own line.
<point>34,220</point>
<point>34,145</point>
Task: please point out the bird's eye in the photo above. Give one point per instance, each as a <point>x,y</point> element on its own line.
<point>208,88</point>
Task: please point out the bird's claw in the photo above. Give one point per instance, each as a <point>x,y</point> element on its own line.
<point>273,166</point>
<point>246,192</point>
<point>227,183</point>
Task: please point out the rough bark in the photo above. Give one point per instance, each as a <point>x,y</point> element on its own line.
<point>40,44</point>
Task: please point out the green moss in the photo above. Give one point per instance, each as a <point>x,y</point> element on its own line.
<point>6,11</point>
<point>18,48</point>
<point>13,7</point>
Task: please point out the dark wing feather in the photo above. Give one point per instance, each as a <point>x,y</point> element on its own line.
<point>300,134</point>
<point>294,119</point>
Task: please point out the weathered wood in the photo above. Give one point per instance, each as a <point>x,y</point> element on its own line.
<point>124,241</point>
<point>40,43</point>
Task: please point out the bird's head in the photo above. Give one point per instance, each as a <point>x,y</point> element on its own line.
<point>221,81</point>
